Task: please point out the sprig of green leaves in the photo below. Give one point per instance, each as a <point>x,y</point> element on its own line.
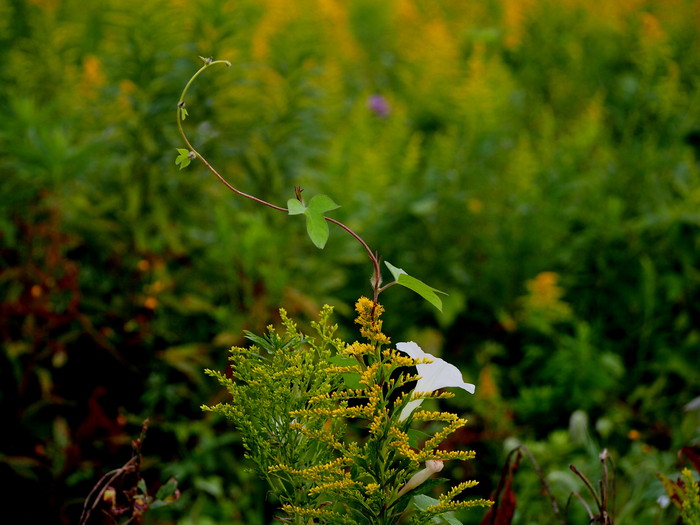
<point>316,224</point>
<point>184,157</point>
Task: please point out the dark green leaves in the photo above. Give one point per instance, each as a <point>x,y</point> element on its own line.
<point>316,224</point>
<point>426,292</point>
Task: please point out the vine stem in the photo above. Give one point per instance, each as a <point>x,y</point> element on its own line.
<point>208,62</point>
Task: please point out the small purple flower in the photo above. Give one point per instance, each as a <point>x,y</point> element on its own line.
<point>379,105</point>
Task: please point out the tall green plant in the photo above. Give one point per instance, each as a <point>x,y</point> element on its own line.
<point>327,423</point>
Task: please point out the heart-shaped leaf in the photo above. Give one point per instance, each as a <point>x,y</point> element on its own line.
<point>322,204</point>
<point>295,207</point>
<point>317,228</point>
<point>316,225</point>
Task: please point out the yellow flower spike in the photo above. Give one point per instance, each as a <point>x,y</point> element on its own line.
<point>371,488</point>
<point>367,377</point>
<point>397,359</point>
<point>425,415</point>
<point>378,422</point>
<point>458,489</point>
<point>368,319</point>
<point>357,349</point>
<point>442,434</point>
<point>444,455</point>
<point>401,444</point>
<point>332,485</point>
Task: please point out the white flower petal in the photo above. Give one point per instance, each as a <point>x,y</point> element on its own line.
<point>440,374</point>
<point>412,349</point>
<point>409,408</point>
<point>433,376</point>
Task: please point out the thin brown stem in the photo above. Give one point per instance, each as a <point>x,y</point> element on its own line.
<point>375,260</point>
<point>376,281</point>
<point>585,506</point>
<point>545,486</point>
<point>588,485</point>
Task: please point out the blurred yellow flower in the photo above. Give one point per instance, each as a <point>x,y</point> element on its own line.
<point>475,206</point>
<point>543,302</point>
<point>92,77</point>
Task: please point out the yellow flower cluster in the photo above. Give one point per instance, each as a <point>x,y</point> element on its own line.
<point>357,349</point>
<point>328,515</point>
<point>340,394</point>
<point>438,438</point>
<point>371,488</point>
<point>425,415</point>
<point>400,443</point>
<point>368,319</point>
<point>400,359</point>
<point>544,298</point>
<point>314,473</point>
<point>368,376</point>
<point>371,395</point>
<point>446,506</point>
<point>444,455</point>
<point>324,436</point>
<point>343,411</point>
<point>458,489</point>
<point>332,485</point>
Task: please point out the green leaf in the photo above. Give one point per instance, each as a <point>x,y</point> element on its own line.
<point>415,437</point>
<point>295,207</point>
<point>317,228</point>
<point>183,113</point>
<point>426,292</point>
<point>183,159</point>
<point>423,502</point>
<point>351,379</point>
<point>142,486</point>
<point>316,224</point>
<point>167,490</point>
<point>321,204</point>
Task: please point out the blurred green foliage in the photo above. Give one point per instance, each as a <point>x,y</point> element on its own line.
<point>536,159</point>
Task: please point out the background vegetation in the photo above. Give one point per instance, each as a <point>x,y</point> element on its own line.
<point>536,159</point>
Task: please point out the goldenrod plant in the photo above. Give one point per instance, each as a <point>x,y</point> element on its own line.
<point>328,423</point>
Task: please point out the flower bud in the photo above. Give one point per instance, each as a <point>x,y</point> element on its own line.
<point>432,466</point>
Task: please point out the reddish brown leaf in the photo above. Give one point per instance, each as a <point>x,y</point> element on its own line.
<point>503,509</point>
<point>693,455</point>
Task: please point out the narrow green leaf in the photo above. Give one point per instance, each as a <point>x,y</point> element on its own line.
<point>183,113</point>
<point>422,502</point>
<point>142,487</point>
<point>416,437</point>
<point>426,292</point>
<point>317,227</point>
<point>167,490</point>
<point>322,203</point>
<point>295,207</point>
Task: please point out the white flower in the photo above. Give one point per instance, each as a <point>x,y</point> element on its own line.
<point>431,467</point>
<point>435,375</point>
